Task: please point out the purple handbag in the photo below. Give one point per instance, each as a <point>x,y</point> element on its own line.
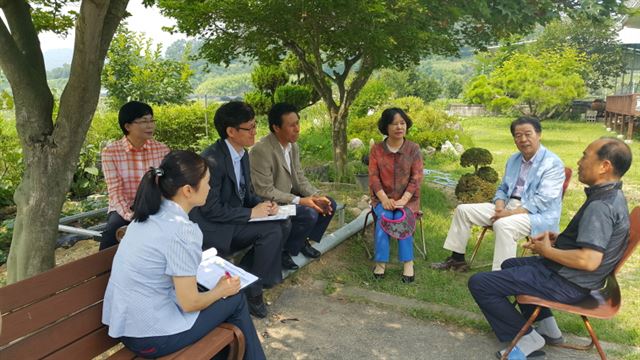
<point>400,228</point>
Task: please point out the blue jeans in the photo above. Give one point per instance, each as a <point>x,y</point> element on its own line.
<point>519,276</point>
<point>405,246</point>
<point>233,310</point>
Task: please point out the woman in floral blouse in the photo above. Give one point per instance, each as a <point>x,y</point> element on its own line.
<point>395,175</point>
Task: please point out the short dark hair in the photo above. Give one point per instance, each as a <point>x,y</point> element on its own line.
<point>531,120</point>
<point>177,169</point>
<point>131,111</point>
<point>618,153</point>
<point>277,111</point>
<point>387,118</point>
<point>232,114</point>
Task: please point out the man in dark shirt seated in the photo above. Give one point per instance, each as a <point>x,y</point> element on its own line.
<point>570,264</point>
<point>231,203</point>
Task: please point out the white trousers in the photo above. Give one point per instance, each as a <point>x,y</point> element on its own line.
<point>508,230</point>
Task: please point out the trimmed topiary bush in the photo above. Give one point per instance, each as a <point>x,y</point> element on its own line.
<point>476,157</point>
<point>487,174</point>
<point>473,189</point>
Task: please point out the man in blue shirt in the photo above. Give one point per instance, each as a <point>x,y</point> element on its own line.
<point>527,202</point>
<point>570,264</point>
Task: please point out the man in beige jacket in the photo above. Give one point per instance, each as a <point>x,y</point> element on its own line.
<point>278,176</point>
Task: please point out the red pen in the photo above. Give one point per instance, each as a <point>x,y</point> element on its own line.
<point>227,275</point>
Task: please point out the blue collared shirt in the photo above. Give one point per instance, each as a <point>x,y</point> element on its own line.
<point>140,299</point>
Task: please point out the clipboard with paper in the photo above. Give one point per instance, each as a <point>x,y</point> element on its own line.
<point>284,212</point>
<point>213,267</point>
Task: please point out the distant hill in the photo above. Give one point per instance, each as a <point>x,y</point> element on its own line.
<point>57,57</point>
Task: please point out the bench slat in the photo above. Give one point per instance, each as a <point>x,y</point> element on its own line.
<point>50,282</point>
<point>60,334</point>
<point>37,315</point>
<point>123,354</point>
<point>87,347</point>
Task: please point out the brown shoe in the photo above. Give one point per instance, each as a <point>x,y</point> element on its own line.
<point>451,264</point>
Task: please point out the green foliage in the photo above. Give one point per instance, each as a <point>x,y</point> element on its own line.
<point>6,100</point>
<point>476,157</point>
<point>374,94</point>
<point>299,95</point>
<point>182,127</point>
<point>11,166</point>
<point>431,127</point>
<point>473,189</point>
<point>410,83</point>
<point>260,101</point>
<point>137,71</point>
<point>267,78</point>
<point>85,179</point>
<point>488,174</point>
<point>543,84</point>
<point>598,41</point>
<point>230,85</point>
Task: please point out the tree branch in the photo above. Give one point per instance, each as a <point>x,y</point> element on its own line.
<point>94,31</point>
<point>317,78</point>
<point>362,76</point>
<point>24,35</point>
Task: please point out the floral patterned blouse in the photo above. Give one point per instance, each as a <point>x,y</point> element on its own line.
<point>396,173</point>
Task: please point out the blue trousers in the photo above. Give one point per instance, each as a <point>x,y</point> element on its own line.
<point>405,246</point>
<point>233,310</point>
<point>307,224</point>
<point>519,276</point>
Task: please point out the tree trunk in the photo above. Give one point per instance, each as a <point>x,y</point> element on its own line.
<point>50,150</point>
<point>39,199</point>
<point>339,139</point>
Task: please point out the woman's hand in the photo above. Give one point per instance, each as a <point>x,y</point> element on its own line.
<point>227,286</point>
<point>388,204</point>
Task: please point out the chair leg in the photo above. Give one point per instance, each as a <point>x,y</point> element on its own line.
<point>520,334</point>
<point>594,338</point>
<point>424,245</point>
<point>362,238</point>
<point>478,242</point>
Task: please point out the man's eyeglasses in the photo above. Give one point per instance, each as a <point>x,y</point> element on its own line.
<point>145,122</point>
<point>249,129</point>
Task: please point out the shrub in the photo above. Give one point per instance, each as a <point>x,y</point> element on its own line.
<point>11,166</point>
<point>182,127</point>
<point>476,157</point>
<point>374,94</point>
<point>487,174</point>
<point>298,95</point>
<point>260,102</point>
<point>473,189</point>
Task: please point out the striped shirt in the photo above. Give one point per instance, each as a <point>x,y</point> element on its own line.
<point>123,167</point>
<point>140,299</point>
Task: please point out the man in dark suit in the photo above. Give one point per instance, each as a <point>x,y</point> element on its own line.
<point>231,203</point>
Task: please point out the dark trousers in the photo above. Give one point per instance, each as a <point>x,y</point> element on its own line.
<point>519,276</point>
<point>263,259</point>
<point>233,310</point>
<point>307,224</point>
<point>114,222</point>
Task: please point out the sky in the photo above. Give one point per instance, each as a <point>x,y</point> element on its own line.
<point>142,20</point>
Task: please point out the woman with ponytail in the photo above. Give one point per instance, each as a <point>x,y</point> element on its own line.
<point>152,303</point>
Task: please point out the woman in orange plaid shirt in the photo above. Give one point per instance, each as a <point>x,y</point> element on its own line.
<point>125,161</point>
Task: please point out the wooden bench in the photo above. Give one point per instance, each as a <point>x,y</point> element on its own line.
<point>57,315</point>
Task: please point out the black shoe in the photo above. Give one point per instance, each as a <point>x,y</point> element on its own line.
<point>288,263</point>
<point>310,252</point>
<point>408,279</point>
<point>257,307</point>
<point>451,264</point>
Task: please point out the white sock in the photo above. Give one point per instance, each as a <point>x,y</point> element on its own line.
<point>549,327</point>
<point>529,343</point>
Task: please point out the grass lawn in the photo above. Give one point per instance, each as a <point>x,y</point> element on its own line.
<point>568,140</point>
